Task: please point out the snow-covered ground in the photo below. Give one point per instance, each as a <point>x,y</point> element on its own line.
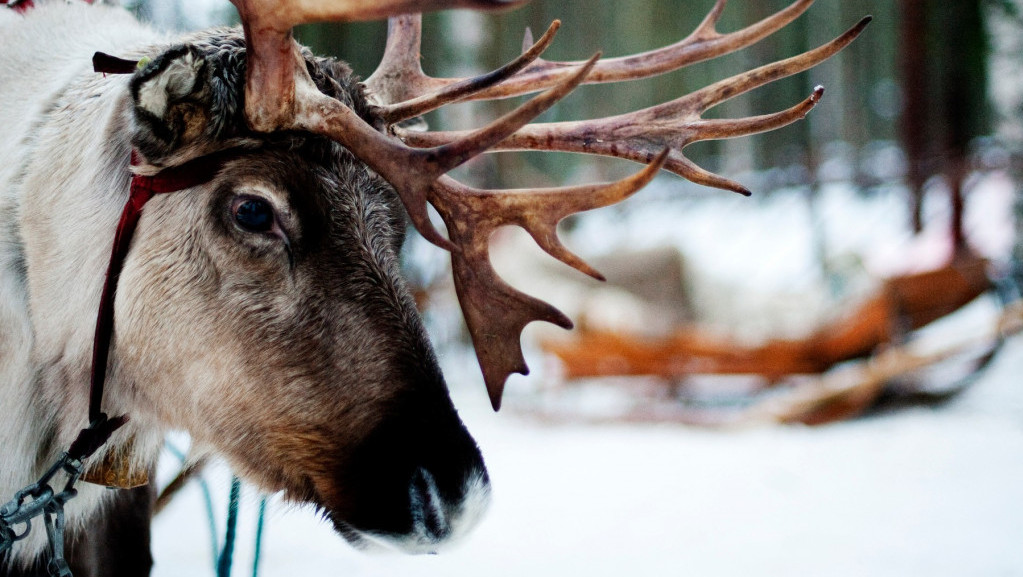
<point>918,492</point>
<point>921,491</point>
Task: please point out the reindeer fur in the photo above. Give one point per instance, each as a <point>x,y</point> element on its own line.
<point>302,362</point>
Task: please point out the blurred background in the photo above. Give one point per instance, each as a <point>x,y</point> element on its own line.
<point>820,379</point>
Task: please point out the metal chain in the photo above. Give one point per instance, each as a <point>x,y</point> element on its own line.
<point>39,499</point>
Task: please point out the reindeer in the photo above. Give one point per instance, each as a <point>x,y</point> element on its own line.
<point>259,305</point>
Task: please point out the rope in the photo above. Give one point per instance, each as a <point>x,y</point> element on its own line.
<point>207,498</point>
<point>259,537</point>
<point>224,555</point>
<point>227,553</point>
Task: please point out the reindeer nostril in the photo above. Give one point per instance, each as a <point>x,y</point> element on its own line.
<point>429,518</point>
<point>437,518</point>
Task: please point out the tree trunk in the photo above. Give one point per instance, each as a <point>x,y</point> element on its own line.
<point>964,96</point>
<point>913,125</point>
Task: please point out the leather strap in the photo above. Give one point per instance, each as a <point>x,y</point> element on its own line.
<point>20,6</point>
<point>143,188</point>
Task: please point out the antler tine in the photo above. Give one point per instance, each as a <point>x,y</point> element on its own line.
<point>292,101</point>
<point>273,55</point>
<point>399,76</point>
<point>394,113</point>
<point>722,90</point>
<point>717,129</point>
<point>702,44</point>
<point>412,171</point>
<point>640,135</point>
<point>495,313</point>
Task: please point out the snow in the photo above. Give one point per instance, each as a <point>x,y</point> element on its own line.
<point>918,491</point>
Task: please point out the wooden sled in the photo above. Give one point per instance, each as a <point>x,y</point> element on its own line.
<point>869,342</point>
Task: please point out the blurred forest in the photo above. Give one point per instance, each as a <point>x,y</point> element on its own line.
<point>929,91</point>
<point>866,69</point>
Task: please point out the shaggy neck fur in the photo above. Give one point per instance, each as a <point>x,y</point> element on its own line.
<point>59,203</point>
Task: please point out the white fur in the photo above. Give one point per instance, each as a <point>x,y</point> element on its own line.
<point>473,507</point>
<point>59,203</point>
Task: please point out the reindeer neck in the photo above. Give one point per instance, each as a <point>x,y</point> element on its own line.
<point>58,196</point>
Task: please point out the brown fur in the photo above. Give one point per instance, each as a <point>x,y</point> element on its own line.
<point>296,354</point>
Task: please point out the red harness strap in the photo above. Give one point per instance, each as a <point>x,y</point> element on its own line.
<point>143,188</point>
<point>20,6</point>
<point>23,6</point>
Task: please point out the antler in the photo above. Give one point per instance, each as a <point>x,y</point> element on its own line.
<point>399,77</point>
<point>640,135</point>
<point>495,312</point>
<point>280,95</point>
<point>274,65</point>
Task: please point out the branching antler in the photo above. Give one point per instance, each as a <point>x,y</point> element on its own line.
<point>415,93</point>
<point>495,312</point>
<point>641,135</point>
<point>274,65</point>
<point>280,95</point>
<point>399,76</point>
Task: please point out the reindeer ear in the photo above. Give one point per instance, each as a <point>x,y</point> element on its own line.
<point>168,97</point>
<point>166,80</point>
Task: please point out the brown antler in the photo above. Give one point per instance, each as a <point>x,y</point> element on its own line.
<point>495,312</point>
<point>273,63</point>
<point>640,135</point>
<point>399,77</point>
<point>280,95</point>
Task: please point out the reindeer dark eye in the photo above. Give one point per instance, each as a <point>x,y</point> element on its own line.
<point>254,215</point>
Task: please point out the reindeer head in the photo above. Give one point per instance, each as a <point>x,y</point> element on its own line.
<point>265,313</point>
<point>272,291</point>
